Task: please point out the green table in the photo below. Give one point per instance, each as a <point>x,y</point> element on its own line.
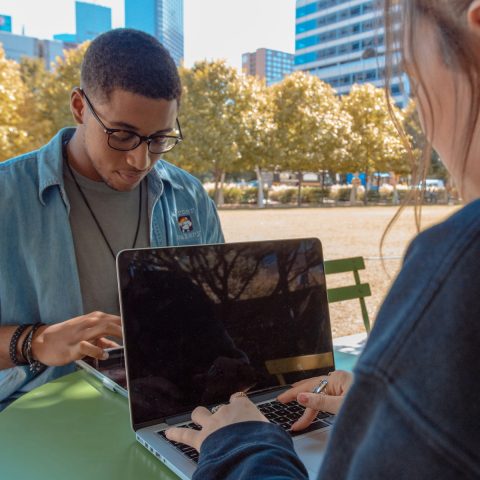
<point>73,428</point>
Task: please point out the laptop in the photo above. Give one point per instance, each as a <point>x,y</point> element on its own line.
<point>202,322</point>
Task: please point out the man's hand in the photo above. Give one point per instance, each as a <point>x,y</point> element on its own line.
<point>62,343</point>
<point>240,409</point>
<point>330,400</point>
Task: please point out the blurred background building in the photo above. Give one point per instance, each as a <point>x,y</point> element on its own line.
<point>342,42</point>
<point>5,23</point>
<point>271,65</point>
<point>18,46</point>
<point>91,20</point>
<point>161,18</point>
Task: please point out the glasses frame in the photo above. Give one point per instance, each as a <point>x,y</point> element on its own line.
<point>141,138</point>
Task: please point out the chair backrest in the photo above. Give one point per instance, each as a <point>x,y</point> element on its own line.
<point>300,363</point>
<point>357,290</point>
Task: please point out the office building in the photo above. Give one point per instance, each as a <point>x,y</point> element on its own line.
<point>18,46</point>
<point>65,37</point>
<point>5,23</point>
<point>342,42</point>
<point>271,65</point>
<point>91,20</point>
<point>161,18</point>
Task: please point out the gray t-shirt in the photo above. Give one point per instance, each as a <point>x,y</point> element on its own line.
<point>117,214</point>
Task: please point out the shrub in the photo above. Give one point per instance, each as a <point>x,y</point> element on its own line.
<point>250,194</point>
<point>314,194</point>
<point>232,194</point>
<point>386,191</point>
<point>340,193</point>
<point>373,196</point>
<point>283,194</point>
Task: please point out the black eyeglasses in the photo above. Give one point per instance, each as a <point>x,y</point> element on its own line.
<point>125,140</point>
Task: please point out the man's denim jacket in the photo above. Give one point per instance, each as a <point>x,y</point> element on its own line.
<point>38,277</point>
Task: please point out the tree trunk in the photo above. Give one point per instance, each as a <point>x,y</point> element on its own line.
<point>260,198</point>
<point>395,199</point>
<point>365,198</point>
<point>219,181</point>
<point>299,192</point>
<point>322,186</point>
<point>353,195</point>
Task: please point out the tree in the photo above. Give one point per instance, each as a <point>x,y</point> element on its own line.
<point>54,99</point>
<point>413,129</point>
<point>210,117</point>
<point>255,136</point>
<point>35,123</point>
<point>376,145</point>
<point>312,131</point>
<point>13,139</point>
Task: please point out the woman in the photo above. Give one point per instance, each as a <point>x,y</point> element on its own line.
<point>413,410</point>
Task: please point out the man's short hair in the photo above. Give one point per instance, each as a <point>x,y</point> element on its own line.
<point>129,60</point>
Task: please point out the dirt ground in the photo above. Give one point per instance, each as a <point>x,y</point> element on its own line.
<point>344,232</point>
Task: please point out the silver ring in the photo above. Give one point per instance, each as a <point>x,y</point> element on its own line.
<point>320,387</point>
<point>216,408</point>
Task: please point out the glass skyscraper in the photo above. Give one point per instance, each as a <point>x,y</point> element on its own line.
<point>342,42</point>
<point>91,20</point>
<point>161,18</point>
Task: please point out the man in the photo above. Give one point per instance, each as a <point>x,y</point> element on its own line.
<point>70,207</point>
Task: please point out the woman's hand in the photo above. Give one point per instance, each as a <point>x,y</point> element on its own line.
<point>240,409</point>
<point>329,400</point>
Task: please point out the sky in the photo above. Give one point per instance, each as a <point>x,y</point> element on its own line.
<point>214,29</point>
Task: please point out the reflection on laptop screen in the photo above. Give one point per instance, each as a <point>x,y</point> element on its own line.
<point>203,322</point>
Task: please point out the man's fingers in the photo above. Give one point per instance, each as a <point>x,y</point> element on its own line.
<point>200,415</point>
<point>103,330</point>
<point>319,402</point>
<point>184,435</point>
<point>88,350</point>
<point>107,343</point>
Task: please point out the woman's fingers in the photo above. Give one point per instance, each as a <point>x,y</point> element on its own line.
<point>320,402</point>
<point>200,415</point>
<point>184,435</point>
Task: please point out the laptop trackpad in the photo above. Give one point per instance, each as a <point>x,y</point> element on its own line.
<point>311,449</point>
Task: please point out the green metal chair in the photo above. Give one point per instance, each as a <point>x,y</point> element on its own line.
<point>358,290</point>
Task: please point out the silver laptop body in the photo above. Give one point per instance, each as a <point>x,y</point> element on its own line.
<point>202,322</point>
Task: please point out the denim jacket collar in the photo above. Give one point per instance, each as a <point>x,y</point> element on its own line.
<point>50,168</point>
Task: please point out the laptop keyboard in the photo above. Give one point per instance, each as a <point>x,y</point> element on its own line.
<point>190,452</point>
<point>286,414</point>
<point>282,414</point>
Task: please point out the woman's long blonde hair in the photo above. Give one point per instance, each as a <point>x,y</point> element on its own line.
<point>460,52</point>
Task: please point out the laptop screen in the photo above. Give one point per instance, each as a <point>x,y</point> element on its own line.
<point>203,322</point>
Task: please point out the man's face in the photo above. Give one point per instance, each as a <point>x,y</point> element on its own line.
<point>120,170</point>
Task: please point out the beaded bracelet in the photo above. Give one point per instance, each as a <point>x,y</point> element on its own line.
<point>35,365</point>
<point>14,343</point>
<point>24,345</point>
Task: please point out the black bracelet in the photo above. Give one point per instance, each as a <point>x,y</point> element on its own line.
<point>14,343</point>
<point>35,365</point>
<point>24,346</point>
